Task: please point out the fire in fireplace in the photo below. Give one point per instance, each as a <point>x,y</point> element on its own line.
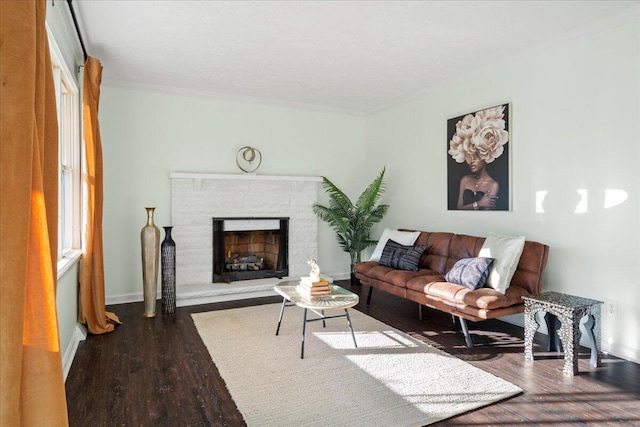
<point>250,248</point>
<point>234,262</point>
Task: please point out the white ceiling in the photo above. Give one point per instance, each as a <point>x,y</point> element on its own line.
<point>348,56</point>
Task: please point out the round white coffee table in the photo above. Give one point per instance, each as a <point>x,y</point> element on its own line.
<point>339,299</point>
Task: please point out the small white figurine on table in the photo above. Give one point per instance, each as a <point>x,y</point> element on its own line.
<point>315,270</point>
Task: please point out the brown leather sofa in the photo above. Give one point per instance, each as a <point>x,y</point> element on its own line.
<point>427,286</point>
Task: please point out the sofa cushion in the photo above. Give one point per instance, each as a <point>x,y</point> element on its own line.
<point>490,299</point>
<point>423,277</point>
<point>371,270</point>
<point>365,267</point>
<point>437,252</point>
<point>402,257</point>
<point>402,237</point>
<point>484,298</point>
<point>506,251</point>
<point>470,272</point>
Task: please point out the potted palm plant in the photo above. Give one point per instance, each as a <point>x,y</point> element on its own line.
<point>353,222</point>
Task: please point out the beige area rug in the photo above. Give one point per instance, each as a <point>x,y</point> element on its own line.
<point>391,379</point>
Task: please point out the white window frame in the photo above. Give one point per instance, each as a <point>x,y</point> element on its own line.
<point>69,155</point>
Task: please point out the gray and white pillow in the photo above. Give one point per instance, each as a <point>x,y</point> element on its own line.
<point>470,272</point>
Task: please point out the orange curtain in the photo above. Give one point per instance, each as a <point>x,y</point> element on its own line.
<point>92,311</point>
<point>31,378</point>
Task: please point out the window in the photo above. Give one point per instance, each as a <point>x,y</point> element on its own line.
<point>69,191</point>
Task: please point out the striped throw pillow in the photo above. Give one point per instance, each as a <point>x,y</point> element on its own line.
<point>401,257</point>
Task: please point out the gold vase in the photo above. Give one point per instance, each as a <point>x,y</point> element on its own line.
<point>150,240</point>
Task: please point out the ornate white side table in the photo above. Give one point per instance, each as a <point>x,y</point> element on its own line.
<point>569,310</point>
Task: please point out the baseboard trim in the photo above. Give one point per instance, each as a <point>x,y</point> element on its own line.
<point>187,295</point>
<point>340,276</point>
<point>80,334</point>
<point>123,299</point>
<point>624,352</point>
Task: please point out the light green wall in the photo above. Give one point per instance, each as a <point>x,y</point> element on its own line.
<point>60,24</point>
<point>146,135</point>
<point>575,109</point>
<point>67,304</point>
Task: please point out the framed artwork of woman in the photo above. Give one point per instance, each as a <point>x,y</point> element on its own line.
<point>478,160</point>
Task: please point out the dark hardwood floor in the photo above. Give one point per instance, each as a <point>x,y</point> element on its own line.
<point>157,372</point>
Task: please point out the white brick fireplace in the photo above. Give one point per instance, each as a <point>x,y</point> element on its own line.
<point>197,198</point>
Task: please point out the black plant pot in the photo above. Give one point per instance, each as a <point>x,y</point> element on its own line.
<point>354,280</point>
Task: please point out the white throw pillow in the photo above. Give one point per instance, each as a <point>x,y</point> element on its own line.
<point>506,251</point>
<point>405,238</point>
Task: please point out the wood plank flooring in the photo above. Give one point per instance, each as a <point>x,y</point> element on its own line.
<point>157,372</point>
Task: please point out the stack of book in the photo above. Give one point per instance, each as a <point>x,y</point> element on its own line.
<point>309,288</point>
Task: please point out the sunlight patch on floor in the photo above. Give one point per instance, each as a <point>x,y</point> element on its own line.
<point>366,340</point>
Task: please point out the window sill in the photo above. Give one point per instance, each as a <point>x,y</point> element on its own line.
<point>65,264</point>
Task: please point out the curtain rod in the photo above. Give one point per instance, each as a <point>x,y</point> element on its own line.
<point>75,23</point>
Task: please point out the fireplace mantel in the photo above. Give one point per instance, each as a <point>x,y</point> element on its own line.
<point>245,176</point>
<point>197,198</point>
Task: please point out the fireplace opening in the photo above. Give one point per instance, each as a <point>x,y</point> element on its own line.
<point>250,248</point>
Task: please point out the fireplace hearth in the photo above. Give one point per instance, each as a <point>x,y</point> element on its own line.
<point>250,248</point>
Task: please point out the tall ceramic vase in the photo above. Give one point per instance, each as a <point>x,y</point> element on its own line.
<point>150,240</point>
<point>168,262</point>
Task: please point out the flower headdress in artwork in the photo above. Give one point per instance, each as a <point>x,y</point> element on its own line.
<point>482,136</point>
